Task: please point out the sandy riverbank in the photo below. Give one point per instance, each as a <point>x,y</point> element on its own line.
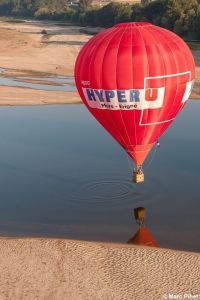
<point>23,96</point>
<point>25,49</point>
<point>46,48</point>
<point>24,46</point>
<point>65,269</point>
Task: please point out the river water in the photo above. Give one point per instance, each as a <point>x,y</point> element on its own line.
<point>46,83</point>
<point>62,175</point>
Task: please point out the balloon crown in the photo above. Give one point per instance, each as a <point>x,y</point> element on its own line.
<point>133,24</point>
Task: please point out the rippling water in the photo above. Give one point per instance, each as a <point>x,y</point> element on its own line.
<point>62,175</point>
<point>46,83</point>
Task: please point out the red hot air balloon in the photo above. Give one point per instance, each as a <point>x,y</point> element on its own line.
<point>135,78</point>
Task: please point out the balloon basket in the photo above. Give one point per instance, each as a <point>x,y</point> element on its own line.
<point>138,177</point>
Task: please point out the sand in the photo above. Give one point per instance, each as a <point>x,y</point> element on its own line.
<point>64,269</point>
<point>25,96</point>
<point>23,46</point>
<point>25,49</point>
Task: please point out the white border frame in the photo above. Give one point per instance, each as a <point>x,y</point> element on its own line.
<point>164,76</point>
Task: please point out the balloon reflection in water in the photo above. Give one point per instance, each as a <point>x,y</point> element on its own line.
<point>142,236</point>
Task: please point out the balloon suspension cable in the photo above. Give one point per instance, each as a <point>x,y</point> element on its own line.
<point>138,174</point>
<point>130,162</point>
<point>138,169</point>
<point>153,155</point>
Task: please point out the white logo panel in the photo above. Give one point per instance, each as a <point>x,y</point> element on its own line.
<point>125,99</point>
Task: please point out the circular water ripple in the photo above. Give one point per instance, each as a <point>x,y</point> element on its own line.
<point>106,191</point>
<point>116,192</point>
<point>111,189</point>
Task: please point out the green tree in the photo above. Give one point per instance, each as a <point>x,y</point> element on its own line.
<point>138,13</point>
<point>84,5</point>
<point>155,11</point>
<point>178,15</point>
<point>6,7</point>
<point>195,27</point>
<point>114,13</point>
<point>52,9</point>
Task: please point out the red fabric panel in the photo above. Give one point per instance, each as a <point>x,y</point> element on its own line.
<point>135,58</point>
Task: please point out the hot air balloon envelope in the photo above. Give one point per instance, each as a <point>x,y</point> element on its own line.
<point>135,78</point>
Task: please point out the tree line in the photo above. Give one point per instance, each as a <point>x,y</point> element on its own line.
<point>180,16</point>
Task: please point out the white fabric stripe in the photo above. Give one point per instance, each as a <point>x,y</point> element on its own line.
<point>122,99</point>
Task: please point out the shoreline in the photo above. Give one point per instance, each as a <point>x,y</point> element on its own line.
<point>26,96</point>
<point>109,244</point>
<point>17,96</point>
<point>45,268</point>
